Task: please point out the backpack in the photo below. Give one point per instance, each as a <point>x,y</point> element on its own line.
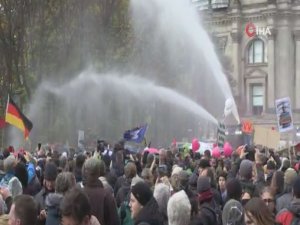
<point>206,218</point>
<point>218,211</point>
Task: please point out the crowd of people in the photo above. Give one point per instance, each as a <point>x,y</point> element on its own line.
<point>174,187</point>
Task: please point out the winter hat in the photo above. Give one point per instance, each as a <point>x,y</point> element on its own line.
<point>203,184</point>
<point>50,171</point>
<point>142,192</point>
<point>176,170</point>
<point>204,189</point>
<point>246,169</point>
<point>233,213</point>
<point>9,163</point>
<point>290,176</point>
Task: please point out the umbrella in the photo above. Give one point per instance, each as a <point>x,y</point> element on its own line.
<point>152,150</point>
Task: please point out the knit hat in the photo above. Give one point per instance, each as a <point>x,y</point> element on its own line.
<point>290,176</point>
<point>142,193</point>
<point>203,184</point>
<point>246,169</point>
<point>233,213</point>
<point>50,172</point>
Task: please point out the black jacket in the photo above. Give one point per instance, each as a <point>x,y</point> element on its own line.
<point>149,214</point>
<point>206,216</point>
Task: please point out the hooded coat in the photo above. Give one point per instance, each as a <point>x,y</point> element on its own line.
<point>53,201</point>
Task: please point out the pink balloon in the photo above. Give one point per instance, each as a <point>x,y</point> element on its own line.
<point>195,144</point>
<point>227,149</point>
<point>216,152</point>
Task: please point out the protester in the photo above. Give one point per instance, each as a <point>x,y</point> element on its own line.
<point>291,214</point>
<point>206,214</point>
<point>162,194</point>
<point>170,189</point>
<point>64,182</point>
<point>76,209</point>
<point>267,195</point>
<point>287,196</point>
<point>78,167</point>
<point>179,209</point>
<point>233,213</point>
<point>50,175</point>
<point>222,186</point>
<point>10,180</point>
<point>257,213</point>
<point>144,208</point>
<point>103,178</point>
<point>103,205</point>
<point>23,211</point>
<point>277,184</point>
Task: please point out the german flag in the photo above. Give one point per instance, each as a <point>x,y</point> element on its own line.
<point>15,117</point>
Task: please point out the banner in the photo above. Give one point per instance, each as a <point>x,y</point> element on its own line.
<point>266,137</point>
<point>80,139</point>
<point>221,135</point>
<point>284,114</point>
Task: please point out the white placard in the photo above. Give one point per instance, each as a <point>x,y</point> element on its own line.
<point>284,114</point>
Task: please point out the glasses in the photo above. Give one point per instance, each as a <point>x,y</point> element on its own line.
<point>268,200</point>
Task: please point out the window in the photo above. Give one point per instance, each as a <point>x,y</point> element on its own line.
<point>257,52</point>
<point>213,4</point>
<point>257,99</point>
<point>201,4</point>
<point>218,4</point>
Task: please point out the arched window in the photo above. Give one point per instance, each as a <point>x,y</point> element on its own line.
<point>257,53</point>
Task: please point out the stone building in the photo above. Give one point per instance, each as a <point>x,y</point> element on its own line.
<point>259,44</point>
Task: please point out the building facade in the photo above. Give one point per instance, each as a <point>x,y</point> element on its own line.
<point>260,40</point>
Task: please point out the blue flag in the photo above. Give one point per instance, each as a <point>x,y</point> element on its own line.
<point>136,134</point>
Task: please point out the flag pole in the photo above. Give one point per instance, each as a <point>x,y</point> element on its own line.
<point>2,139</point>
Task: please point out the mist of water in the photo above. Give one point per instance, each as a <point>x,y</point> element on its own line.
<point>108,104</point>
<point>173,29</point>
<point>178,80</point>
